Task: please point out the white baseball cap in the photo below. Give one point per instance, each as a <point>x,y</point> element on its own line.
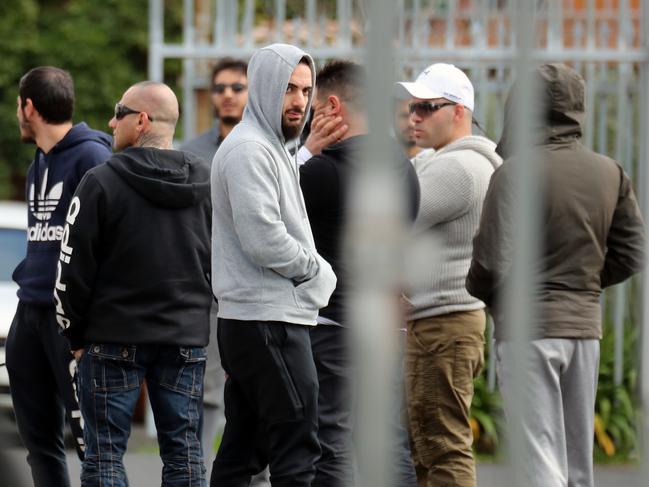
<point>442,81</point>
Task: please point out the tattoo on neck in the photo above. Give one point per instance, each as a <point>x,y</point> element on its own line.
<point>152,140</point>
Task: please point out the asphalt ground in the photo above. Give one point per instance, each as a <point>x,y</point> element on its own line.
<point>144,467</point>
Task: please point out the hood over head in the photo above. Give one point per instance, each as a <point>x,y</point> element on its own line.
<point>559,104</point>
<point>167,178</point>
<point>269,71</point>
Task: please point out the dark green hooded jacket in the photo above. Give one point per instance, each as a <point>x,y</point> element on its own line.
<point>591,228</point>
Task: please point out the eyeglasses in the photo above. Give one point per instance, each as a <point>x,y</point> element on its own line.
<point>220,87</point>
<point>122,110</point>
<point>424,109</point>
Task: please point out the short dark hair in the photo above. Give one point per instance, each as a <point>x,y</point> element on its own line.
<point>51,90</point>
<point>345,79</point>
<point>229,63</point>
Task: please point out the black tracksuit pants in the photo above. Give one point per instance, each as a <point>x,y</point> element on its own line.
<point>333,356</point>
<point>271,396</point>
<point>331,347</point>
<point>42,381</point>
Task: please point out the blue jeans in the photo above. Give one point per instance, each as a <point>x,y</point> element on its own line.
<point>110,376</point>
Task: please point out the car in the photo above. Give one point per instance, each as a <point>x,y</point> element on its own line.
<point>13,245</point>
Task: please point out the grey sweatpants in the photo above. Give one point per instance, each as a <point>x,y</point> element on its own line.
<point>561,382</point>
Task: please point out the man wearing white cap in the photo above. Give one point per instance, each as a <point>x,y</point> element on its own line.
<point>445,339</point>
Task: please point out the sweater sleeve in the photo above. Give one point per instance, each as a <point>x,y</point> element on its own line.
<point>625,240</point>
<point>77,263</point>
<point>446,192</point>
<point>251,181</point>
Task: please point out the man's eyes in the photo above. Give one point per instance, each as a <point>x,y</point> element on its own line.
<point>305,91</point>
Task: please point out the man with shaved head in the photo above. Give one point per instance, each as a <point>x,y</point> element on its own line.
<point>132,290</point>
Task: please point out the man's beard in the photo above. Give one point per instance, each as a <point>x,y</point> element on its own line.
<point>406,139</point>
<point>408,142</point>
<point>26,133</point>
<point>230,121</point>
<point>27,139</point>
<point>291,131</point>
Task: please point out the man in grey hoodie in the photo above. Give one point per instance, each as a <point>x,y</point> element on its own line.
<point>269,280</point>
<point>444,341</point>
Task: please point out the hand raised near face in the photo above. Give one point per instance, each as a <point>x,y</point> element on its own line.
<point>325,130</point>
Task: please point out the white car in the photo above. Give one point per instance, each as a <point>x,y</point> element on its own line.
<point>13,244</point>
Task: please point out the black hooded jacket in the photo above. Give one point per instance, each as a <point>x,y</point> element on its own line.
<point>135,258</point>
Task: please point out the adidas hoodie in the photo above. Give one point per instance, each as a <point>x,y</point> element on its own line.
<point>135,254</point>
<point>264,261</point>
<point>52,179</point>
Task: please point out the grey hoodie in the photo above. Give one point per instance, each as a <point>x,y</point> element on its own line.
<point>453,182</point>
<point>264,263</point>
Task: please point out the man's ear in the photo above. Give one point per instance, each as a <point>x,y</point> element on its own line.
<point>142,118</point>
<point>459,111</point>
<point>335,105</point>
<point>28,108</point>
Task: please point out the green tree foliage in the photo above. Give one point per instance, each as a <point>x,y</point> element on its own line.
<point>102,43</point>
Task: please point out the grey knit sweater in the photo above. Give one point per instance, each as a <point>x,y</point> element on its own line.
<point>454,182</point>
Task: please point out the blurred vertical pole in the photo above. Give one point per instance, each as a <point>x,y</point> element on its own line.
<point>624,131</point>
<point>156,39</point>
<point>156,73</point>
<point>643,188</point>
<point>373,246</point>
<point>520,289</point>
<point>280,19</point>
<point>189,71</point>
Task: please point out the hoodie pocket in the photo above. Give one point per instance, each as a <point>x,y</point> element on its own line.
<point>314,294</point>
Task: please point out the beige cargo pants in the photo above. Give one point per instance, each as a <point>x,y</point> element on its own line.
<point>443,356</point>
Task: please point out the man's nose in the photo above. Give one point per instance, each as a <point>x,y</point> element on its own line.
<point>300,100</point>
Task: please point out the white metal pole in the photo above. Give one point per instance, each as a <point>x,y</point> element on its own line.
<point>520,289</point>
<point>374,236</point>
<point>156,40</point>
<point>644,198</point>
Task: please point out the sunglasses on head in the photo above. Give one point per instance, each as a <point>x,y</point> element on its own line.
<point>220,87</point>
<point>424,109</point>
<point>122,110</point>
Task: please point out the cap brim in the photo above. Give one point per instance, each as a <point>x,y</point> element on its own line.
<point>416,90</point>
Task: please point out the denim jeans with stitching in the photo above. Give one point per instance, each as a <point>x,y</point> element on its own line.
<point>110,377</point>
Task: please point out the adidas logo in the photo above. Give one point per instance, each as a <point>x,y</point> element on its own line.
<point>43,207</point>
<point>45,233</point>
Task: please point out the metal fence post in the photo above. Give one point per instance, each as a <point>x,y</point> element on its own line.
<point>520,290</point>
<point>644,199</point>
<point>374,238</point>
